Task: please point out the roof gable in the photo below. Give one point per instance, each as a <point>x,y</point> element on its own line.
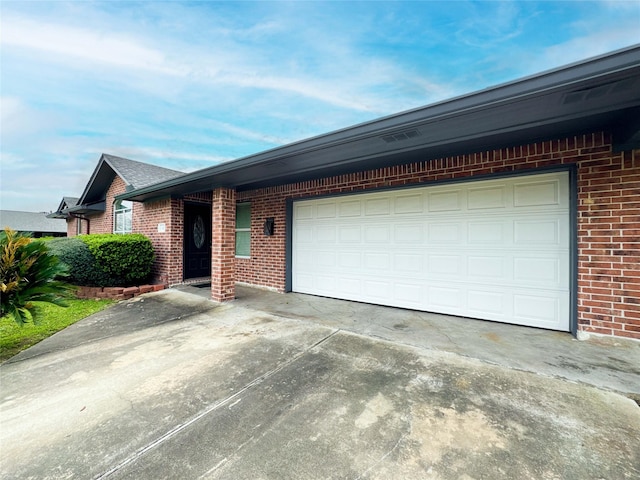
<point>134,174</point>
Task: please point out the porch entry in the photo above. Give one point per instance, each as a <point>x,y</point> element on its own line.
<point>197,240</point>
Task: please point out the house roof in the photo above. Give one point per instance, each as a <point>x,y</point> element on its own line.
<point>599,93</point>
<point>134,174</point>
<point>31,222</point>
<point>65,204</point>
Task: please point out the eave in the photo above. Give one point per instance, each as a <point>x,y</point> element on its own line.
<point>602,93</point>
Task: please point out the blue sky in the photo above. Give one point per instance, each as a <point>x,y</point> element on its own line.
<point>187,85</point>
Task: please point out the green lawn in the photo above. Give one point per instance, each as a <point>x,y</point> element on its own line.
<point>14,338</point>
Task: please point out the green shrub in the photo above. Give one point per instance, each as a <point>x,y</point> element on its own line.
<point>83,267</point>
<point>125,258</point>
<point>28,273</point>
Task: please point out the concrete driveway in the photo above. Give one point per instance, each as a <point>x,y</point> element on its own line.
<point>170,385</point>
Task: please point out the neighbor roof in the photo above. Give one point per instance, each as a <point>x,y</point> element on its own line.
<point>596,94</point>
<point>31,222</point>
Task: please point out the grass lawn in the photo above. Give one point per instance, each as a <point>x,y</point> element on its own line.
<point>14,338</point>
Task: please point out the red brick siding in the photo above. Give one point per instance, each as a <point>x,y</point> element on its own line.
<point>72,226</point>
<point>167,267</point>
<point>608,217</point>
<point>223,221</point>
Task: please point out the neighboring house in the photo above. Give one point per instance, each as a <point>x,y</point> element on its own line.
<point>518,204</point>
<point>35,223</point>
<point>72,225</point>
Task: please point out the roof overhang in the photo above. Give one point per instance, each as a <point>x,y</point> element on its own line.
<point>94,208</point>
<point>602,93</point>
<point>57,215</point>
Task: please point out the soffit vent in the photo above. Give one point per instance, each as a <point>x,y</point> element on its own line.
<point>401,136</point>
<point>599,91</point>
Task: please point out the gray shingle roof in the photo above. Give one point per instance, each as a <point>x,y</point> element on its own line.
<point>134,174</point>
<point>70,201</point>
<point>31,222</point>
<point>138,174</point>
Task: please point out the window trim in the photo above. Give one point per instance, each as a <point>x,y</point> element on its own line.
<point>242,229</point>
<point>125,208</point>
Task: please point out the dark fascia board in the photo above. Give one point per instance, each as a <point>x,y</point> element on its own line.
<point>97,207</point>
<point>567,79</point>
<point>57,214</point>
<point>99,182</point>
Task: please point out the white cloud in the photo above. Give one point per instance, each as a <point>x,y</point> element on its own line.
<point>21,122</point>
<point>596,42</point>
<point>349,80</point>
<point>86,44</point>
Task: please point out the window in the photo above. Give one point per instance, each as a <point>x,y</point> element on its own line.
<point>122,216</point>
<point>243,230</point>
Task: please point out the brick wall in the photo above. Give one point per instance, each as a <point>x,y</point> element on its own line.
<point>72,226</point>
<point>608,218</point>
<point>223,215</point>
<point>147,219</point>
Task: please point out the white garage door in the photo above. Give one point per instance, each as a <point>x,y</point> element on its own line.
<point>493,249</point>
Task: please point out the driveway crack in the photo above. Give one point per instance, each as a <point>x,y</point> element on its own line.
<point>221,403</point>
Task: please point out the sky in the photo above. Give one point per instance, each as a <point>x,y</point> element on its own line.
<point>188,85</point>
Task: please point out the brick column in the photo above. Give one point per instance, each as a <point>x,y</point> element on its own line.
<point>223,245</point>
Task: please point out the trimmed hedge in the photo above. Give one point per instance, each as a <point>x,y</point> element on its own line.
<point>106,259</point>
<point>127,258</point>
<point>83,268</point>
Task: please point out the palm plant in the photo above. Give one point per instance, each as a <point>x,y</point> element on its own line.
<point>28,273</point>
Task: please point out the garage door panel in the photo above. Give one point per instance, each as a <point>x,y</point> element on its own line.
<point>445,201</point>
<point>494,249</point>
<point>349,234</point>
<point>377,261</point>
<point>407,263</point>
<point>408,294</point>
<point>537,270</point>
<point>409,204</point>
<point>377,234</point>
<point>449,297</point>
<point>377,288</point>
<point>350,286</point>
<point>486,304</point>
<point>408,234</point>
<point>540,193</point>
<point>377,206</point>
<point>349,260</point>
<point>487,267</point>
<point>350,209</point>
<point>537,232</point>
<point>443,265</point>
<point>487,198</point>
<point>326,210</point>
<point>304,234</point>
<point>325,234</point>
<point>444,233</point>
<point>326,259</point>
<point>483,233</point>
<point>541,308</point>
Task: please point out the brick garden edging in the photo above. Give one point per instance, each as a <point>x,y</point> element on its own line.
<point>116,293</point>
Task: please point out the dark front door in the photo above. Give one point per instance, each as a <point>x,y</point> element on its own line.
<point>197,240</point>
